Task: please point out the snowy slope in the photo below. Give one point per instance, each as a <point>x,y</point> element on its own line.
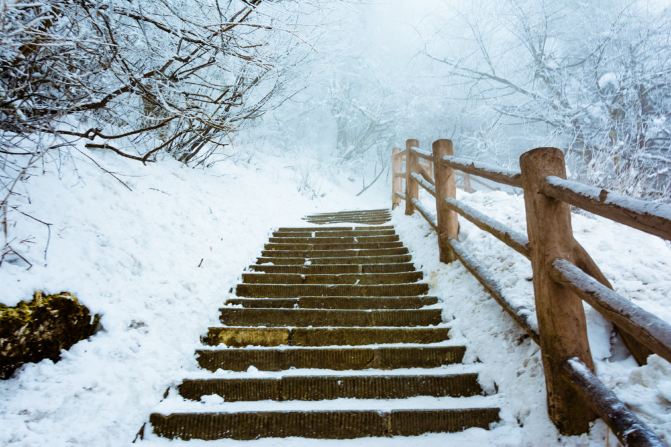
<point>156,263</point>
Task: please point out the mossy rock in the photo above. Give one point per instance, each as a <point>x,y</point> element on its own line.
<point>39,329</point>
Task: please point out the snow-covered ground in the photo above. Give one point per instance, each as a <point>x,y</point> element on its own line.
<point>157,263</point>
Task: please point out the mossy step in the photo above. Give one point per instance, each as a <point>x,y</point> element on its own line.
<point>339,359</point>
<point>233,316</point>
<point>372,232</point>
<point>312,388</point>
<point>334,253</point>
<point>346,278</point>
<point>335,268</point>
<point>393,259</point>
<point>298,336</point>
<point>334,228</point>
<point>290,246</point>
<point>343,424</point>
<point>337,302</point>
<point>334,240</point>
<point>296,290</point>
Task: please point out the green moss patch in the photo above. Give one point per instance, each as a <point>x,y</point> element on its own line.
<point>39,329</point>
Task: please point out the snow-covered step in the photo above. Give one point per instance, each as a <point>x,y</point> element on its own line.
<point>253,373</point>
<point>295,290</point>
<point>233,316</point>
<point>334,424</point>
<point>296,336</point>
<point>334,269</point>
<point>334,228</point>
<point>345,278</point>
<point>382,211</point>
<point>312,388</point>
<point>315,260</point>
<point>354,245</point>
<point>319,233</point>
<point>334,253</point>
<point>341,358</point>
<point>333,240</point>
<point>337,302</point>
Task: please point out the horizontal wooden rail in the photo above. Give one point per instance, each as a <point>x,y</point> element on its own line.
<point>510,237</point>
<point>400,195</point>
<point>425,213</point>
<point>653,218</point>
<point>626,425</point>
<point>493,173</point>
<point>422,154</point>
<point>647,328</point>
<point>519,313</point>
<point>423,172</point>
<point>430,188</point>
<point>399,174</point>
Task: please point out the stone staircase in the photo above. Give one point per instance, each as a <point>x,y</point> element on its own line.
<point>331,334</point>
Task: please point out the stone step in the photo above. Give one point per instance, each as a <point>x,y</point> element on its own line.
<point>235,316</point>
<point>335,268</point>
<point>334,240</point>
<point>296,290</point>
<point>334,253</point>
<point>338,246</point>
<point>334,228</point>
<point>351,212</point>
<point>312,388</point>
<point>346,218</point>
<point>394,259</point>
<point>335,233</point>
<point>366,213</point>
<point>347,221</point>
<point>343,424</point>
<point>346,278</point>
<point>340,359</point>
<point>337,302</point>
<point>305,336</point>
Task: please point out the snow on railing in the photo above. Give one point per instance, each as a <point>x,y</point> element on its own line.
<point>563,272</point>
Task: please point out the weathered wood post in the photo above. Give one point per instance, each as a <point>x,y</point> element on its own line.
<point>561,319</point>
<point>411,186</point>
<point>396,181</point>
<point>446,186</point>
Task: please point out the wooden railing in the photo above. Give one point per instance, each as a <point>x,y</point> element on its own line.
<point>563,272</point>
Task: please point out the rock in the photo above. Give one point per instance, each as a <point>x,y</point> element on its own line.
<point>41,328</point>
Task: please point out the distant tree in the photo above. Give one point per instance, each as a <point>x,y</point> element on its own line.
<point>597,75</point>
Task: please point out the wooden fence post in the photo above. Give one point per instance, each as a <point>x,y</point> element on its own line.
<point>561,318</point>
<point>396,182</point>
<point>446,186</point>
<point>411,186</point>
